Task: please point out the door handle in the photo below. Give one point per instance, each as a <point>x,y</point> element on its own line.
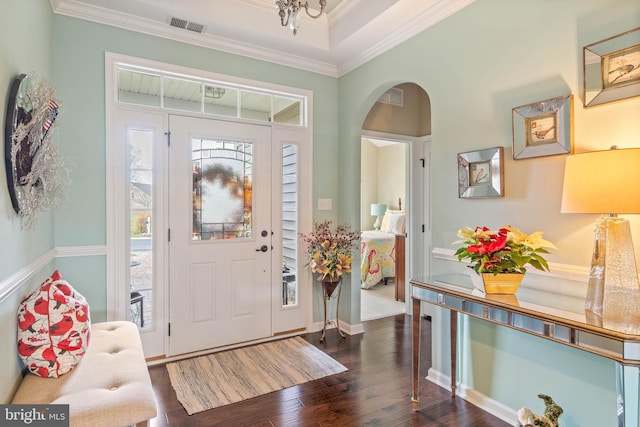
<point>263,248</point>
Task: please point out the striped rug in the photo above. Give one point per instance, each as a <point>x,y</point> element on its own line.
<point>219,379</point>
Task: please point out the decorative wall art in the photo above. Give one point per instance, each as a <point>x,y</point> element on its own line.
<point>612,68</point>
<point>36,173</point>
<point>481,173</point>
<point>544,128</point>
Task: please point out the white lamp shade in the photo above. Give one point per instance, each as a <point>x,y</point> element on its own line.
<point>378,209</point>
<point>602,182</point>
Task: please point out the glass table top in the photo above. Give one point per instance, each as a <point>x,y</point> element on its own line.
<point>552,299</point>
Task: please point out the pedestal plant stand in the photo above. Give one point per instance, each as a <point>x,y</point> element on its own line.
<point>331,290</point>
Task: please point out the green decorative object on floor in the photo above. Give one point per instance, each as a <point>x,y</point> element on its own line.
<point>552,412</point>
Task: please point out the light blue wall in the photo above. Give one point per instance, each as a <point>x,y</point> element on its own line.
<point>476,66</point>
<point>79,72</point>
<point>25,47</point>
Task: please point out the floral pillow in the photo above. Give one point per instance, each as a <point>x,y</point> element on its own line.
<point>53,328</point>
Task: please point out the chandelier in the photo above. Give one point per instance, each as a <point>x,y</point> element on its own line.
<point>289,11</point>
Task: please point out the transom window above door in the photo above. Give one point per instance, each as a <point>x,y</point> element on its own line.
<point>155,88</point>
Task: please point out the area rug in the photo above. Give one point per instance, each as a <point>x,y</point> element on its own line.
<point>227,377</point>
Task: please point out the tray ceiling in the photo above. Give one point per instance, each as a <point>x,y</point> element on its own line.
<point>351,33</point>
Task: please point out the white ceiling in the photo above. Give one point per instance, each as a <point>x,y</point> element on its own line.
<point>351,33</point>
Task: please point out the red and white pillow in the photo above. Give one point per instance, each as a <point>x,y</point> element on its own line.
<point>53,328</point>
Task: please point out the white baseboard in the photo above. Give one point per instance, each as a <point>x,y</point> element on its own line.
<point>347,328</point>
<point>485,403</point>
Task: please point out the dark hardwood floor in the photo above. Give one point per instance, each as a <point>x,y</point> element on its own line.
<point>375,391</point>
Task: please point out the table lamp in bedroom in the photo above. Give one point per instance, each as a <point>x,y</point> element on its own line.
<point>378,210</point>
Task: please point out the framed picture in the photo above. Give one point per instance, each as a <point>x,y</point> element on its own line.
<point>481,173</point>
<point>612,69</point>
<point>544,128</point>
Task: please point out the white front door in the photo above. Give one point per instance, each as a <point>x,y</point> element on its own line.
<point>220,247</point>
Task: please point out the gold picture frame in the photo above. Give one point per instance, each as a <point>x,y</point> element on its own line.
<point>543,128</point>
<point>612,69</point>
<point>481,173</point>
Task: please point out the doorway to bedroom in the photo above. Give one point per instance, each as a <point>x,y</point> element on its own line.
<point>394,202</point>
<point>383,216</point>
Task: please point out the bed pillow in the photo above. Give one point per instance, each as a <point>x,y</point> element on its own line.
<point>395,224</point>
<point>385,219</point>
<point>53,328</point>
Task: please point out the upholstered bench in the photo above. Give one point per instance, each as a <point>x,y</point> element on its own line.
<point>109,387</point>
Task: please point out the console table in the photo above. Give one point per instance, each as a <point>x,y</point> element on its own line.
<point>537,313</point>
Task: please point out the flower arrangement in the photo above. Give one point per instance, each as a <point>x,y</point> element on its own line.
<point>329,252</point>
<point>507,250</point>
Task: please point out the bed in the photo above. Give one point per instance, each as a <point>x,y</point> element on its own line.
<point>382,252</point>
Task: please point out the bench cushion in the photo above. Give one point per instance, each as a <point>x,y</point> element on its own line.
<point>109,387</point>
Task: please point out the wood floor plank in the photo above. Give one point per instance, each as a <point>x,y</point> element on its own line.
<point>375,391</point>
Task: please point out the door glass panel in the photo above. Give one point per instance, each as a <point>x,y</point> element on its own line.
<point>222,101</point>
<point>138,88</point>
<point>141,232</point>
<point>289,225</point>
<point>286,110</point>
<point>222,189</point>
<point>255,105</point>
<point>182,95</point>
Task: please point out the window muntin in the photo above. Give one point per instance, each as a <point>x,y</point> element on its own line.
<point>154,88</point>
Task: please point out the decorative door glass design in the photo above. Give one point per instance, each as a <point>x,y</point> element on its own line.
<point>141,230</point>
<point>289,225</point>
<point>222,189</point>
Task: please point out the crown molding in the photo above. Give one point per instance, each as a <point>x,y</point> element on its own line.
<point>365,44</point>
<point>416,25</point>
<point>125,21</point>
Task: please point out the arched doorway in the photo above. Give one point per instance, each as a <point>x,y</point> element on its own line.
<point>394,174</point>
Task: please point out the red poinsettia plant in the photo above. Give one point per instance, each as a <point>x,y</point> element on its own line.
<point>507,250</point>
<point>329,252</point>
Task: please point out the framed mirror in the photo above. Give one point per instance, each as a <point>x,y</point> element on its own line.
<point>612,68</point>
<point>544,128</point>
<point>20,110</point>
<point>481,173</point>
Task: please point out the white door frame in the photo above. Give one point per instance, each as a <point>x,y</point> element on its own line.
<point>417,176</point>
<point>117,304</point>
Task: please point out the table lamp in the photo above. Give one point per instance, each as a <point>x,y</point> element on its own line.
<point>378,210</point>
<point>608,183</point>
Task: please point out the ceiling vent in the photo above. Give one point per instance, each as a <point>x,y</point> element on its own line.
<point>185,25</point>
<point>393,96</point>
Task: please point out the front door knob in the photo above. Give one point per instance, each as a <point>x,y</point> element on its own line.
<point>263,248</point>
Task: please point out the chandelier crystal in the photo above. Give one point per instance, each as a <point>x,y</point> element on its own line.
<point>289,11</point>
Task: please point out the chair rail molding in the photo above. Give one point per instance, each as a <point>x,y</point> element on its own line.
<point>22,276</point>
<point>561,271</point>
